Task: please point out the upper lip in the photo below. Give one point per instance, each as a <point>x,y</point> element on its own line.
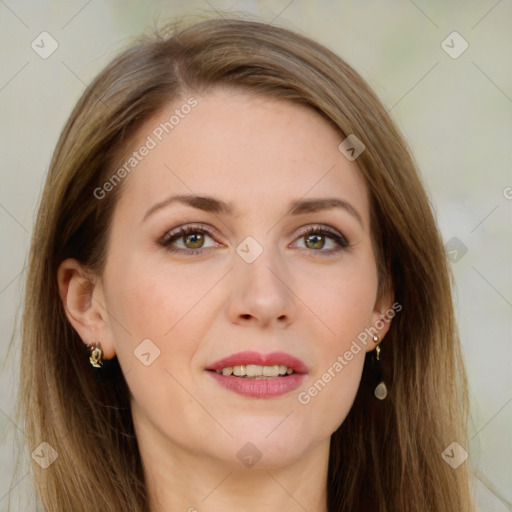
<point>251,357</point>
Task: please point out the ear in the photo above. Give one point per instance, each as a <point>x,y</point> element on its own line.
<point>383,313</point>
<point>82,296</point>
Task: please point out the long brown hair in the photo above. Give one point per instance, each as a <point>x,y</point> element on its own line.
<point>386,456</point>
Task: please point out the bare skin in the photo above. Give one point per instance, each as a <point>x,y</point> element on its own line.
<point>304,295</point>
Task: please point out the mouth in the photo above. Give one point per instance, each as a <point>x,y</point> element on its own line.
<point>257,375</point>
<point>253,365</point>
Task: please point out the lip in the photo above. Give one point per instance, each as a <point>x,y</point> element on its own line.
<point>260,388</point>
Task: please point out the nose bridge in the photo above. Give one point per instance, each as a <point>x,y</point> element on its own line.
<point>261,263</point>
<point>260,279</point>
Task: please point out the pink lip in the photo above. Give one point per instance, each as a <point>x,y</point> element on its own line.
<point>260,388</point>
<point>249,357</point>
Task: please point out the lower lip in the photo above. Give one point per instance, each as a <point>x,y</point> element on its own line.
<point>259,388</point>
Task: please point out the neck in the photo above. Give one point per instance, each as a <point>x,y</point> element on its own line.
<point>179,479</point>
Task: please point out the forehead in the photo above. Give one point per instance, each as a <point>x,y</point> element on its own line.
<point>242,148</point>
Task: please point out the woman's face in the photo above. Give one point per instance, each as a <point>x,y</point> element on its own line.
<point>246,276</point>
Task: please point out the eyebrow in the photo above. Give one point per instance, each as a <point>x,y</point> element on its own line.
<point>297,207</point>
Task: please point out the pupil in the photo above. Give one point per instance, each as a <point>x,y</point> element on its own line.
<point>196,239</point>
<point>316,239</point>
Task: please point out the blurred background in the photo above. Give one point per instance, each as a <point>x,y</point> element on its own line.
<point>443,70</point>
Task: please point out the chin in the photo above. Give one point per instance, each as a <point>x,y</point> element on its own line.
<point>273,446</point>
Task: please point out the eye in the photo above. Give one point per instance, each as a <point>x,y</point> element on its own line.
<point>191,237</point>
<point>317,237</point>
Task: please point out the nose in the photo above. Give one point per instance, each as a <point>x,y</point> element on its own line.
<point>262,292</point>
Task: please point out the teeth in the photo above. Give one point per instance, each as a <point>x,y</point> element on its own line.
<point>271,371</point>
<point>239,371</point>
<point>253,370</point>
<point>256,371</point>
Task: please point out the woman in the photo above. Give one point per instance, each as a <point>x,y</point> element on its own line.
<point>237,296</point>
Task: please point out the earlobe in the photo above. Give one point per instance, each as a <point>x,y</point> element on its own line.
<point>78,290</point>
<point>383,314</point>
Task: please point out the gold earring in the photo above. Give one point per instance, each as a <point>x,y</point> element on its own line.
<point>380,391</point>
<point>96,357</point>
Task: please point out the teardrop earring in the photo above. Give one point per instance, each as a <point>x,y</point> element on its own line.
<point>380,391</point>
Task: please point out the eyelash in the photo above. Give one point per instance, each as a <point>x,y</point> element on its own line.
<point>182,231</point>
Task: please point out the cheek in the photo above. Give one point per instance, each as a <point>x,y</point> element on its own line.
<point>170,306</point>
<point>152,300</point>
<point>330,391</point>
<point>341,297</point>
<point>151,325</point>
<point>343,303</point>
<point>329,395</point>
